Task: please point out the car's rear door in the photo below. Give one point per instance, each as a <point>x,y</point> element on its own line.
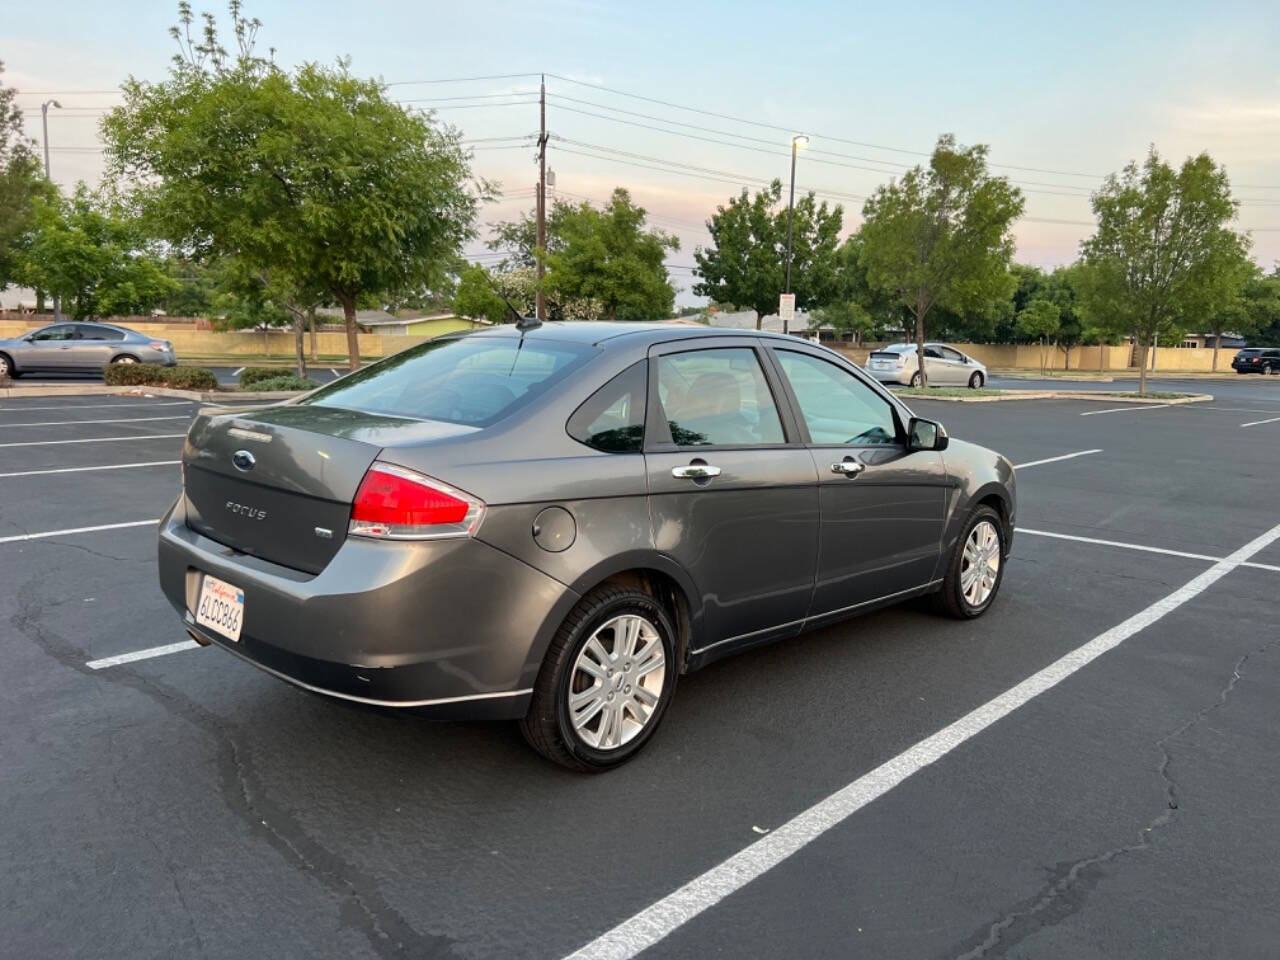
<point>882,504</point>
<point>92,346</point>
<point>732,491</point>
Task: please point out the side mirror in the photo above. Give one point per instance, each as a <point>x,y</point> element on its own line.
<point>926,435</point>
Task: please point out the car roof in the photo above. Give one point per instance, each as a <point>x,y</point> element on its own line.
<point>596,332</point>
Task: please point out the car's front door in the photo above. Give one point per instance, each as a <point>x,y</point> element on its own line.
<point>733,497</point>
<point>882,504</point>
<point>956,365</point>
<point>48,348</point>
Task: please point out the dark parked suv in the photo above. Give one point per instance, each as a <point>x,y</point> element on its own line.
<point>1257,360</point>
<point>554,524</point>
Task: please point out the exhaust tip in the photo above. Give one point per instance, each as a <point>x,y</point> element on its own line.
<point>199,639</point>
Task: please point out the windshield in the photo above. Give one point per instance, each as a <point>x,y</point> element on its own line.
<point>468,380</point>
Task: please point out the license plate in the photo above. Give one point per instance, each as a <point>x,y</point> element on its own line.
<point>221,607</point>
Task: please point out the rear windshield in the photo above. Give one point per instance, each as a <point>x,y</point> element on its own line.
<point>469,380</point>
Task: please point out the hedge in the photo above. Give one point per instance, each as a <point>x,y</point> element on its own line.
<point>152,375</point>
<point>250,376</point>
<point>281,381</point>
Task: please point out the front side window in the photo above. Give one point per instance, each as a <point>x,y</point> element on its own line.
<point>954,355</point>
<point>468,380</point>
<point>612,418</point>
<point>837,407</point>
<point>63,331</point>
<point>717,397</point>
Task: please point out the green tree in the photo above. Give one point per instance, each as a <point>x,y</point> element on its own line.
<point>746,262</point>
<point>1163,255</point>
<point>313,177</point>
<point>1262,306</point>
<point>22,182</point>
<point>941,236</point>
<point>1238,314</point>
<point>477,299</point>
<point>91,256</point>
<point>1039,320</point>
<point>608,256</point>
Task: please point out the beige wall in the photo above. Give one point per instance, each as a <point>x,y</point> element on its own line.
<point>1104,358</point>
<point>190,342</point>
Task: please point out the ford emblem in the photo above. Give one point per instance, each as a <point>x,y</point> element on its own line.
<point>243,460</point>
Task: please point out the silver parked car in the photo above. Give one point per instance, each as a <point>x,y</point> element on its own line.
<point>553,524</point>
<point>81,346</point>
<point>943,365</point>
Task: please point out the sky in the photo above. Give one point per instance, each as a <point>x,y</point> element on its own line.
<point>1063,94</point>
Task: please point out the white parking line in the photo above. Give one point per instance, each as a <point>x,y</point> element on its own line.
<point>19,538</point>
<point>655,922</point>
<point>1129,409</point>
<point>334,372</point>
<point>54,443</point>
<point>1254,423</point>
<point>71,423</point>
<point>236,373</point>
<point>100,406</point>
<point>1138,546</point>
<point>113,466</point>
<point>1065,456</point>
<point>142,654</point>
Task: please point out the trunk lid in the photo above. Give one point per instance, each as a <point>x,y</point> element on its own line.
<point>278,483</point>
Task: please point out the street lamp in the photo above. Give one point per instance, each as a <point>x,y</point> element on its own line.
<point>44,117</point>
<point>798,141</point>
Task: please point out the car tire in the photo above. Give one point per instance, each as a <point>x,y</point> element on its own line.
<point>550,726</point>
<point>1272,371</point>
<point>976,381</point>
<point>915,379</point>
<point>954,599</point>
<point>125,358</point>
<point>6,368</point>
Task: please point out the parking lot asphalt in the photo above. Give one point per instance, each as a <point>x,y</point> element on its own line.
<point>190,805</point>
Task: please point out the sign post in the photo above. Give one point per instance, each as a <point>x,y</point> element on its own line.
<point>787,310</point>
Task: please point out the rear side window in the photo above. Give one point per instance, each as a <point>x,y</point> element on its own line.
<point>612,418</point>
<point>469,380</point>
<point>717,397</point>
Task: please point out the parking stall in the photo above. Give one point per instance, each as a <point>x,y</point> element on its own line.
<point>1089,761</point>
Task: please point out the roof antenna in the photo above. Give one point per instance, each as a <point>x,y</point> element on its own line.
<point>522,322</point>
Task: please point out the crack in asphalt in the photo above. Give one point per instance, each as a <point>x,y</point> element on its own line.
<point>1069,883</point>
<point>361,904</point>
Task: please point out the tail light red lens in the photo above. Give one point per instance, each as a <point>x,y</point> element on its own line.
<point>395,503</point>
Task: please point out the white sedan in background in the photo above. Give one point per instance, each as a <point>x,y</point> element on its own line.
<point>945,366</point>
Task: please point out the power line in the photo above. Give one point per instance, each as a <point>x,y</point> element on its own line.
<point>788,130</point>
<point>491,76</point>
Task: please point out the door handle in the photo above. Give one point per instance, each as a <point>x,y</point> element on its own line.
<point>695,471</point>
<point>850,468</point>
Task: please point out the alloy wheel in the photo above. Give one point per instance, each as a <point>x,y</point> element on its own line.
<point>980,565</point>
<point>4,367</point>
<point>617,681</point>
<point>124,360</point>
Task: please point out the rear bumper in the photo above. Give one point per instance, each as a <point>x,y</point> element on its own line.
<point>452,628</point>
<point>902,376</point>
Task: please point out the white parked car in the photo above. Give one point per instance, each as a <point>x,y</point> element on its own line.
<point>945,366</point>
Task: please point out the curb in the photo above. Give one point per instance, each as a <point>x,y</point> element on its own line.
<point>1093,395</point>
<point>101,390</point>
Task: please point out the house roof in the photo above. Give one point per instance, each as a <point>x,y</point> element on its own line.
<point>746,320</point>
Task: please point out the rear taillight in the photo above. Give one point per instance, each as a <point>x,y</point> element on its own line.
<point>394,503</point>
<point>902,360</point>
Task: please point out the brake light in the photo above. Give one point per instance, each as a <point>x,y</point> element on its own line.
<point>394,503</point>
<point>902,360</point>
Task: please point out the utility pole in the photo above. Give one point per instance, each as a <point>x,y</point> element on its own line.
<point>541,300</point>
<point>44,117</point>
<point>797,141</point>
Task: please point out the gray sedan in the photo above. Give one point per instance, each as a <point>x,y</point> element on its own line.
<point>81,347</point>
<point>552,524</point>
